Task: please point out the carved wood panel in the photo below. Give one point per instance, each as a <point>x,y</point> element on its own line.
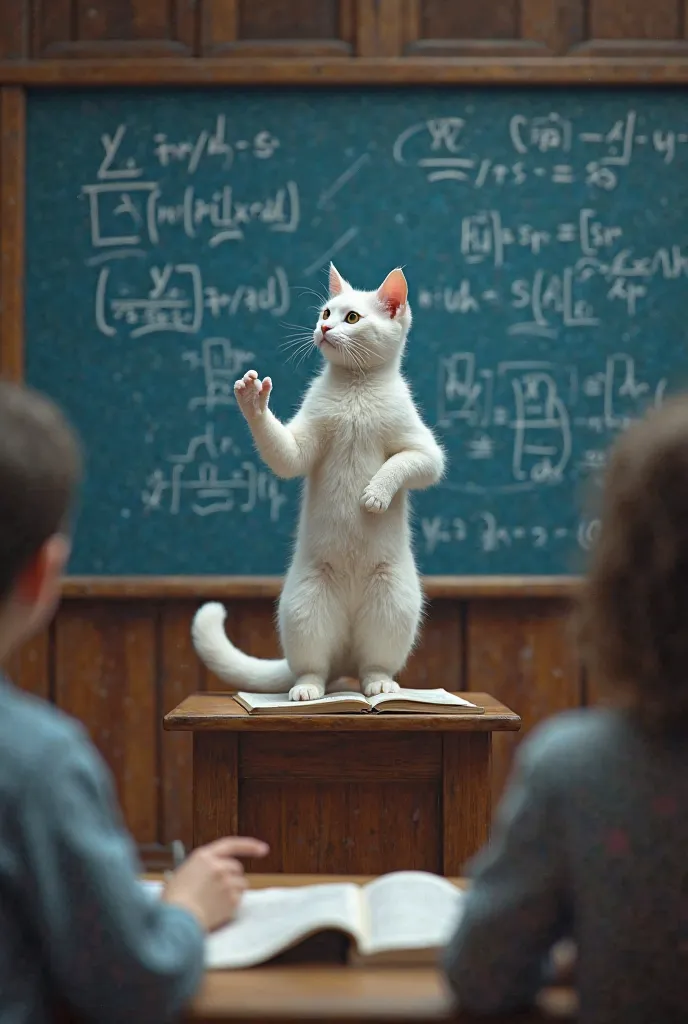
<point>275,28</point>
<point>518,28</point>
<point>634,28</point>
<point>111,28</point>
<point>327,28</point>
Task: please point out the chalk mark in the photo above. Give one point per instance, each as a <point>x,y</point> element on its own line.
<point>347,237</point>
<point>342,180</point>
<point>115,254</point>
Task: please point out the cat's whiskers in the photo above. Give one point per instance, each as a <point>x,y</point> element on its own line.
<point>300,343</point>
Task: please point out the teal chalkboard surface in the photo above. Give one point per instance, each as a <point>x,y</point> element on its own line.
<point>174,236</point>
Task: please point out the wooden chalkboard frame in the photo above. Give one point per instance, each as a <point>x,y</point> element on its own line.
<point>16,77</point>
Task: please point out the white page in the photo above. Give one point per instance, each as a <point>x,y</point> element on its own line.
<point>422,696</point>
<point>410,910</point>
<point>154,888</point>
<point>281,700</point>
<point>272,920</point>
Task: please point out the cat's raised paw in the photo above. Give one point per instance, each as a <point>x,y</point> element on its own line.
<point>252,394</point>
<point>374,499</point>
<point>376,686</point>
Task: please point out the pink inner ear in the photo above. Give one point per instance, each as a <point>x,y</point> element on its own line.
<point>393,292</point>
<point>337,282</point>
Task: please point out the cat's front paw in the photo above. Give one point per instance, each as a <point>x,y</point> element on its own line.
<point>306,691</point>
<point>376,686</point>
<point>252,394</point>
<point>375,498</point>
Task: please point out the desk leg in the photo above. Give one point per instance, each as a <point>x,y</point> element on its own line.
<point>215,786</point>
<point>466,797</point>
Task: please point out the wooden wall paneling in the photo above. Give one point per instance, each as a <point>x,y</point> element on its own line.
<point>317,28</point>
<point>438,658</point>
<point>14,29</point>
<point>522,653</point>
<point>634,28</point>
<point>180,674</point>
<point>518,28</point>
<point>12,198</point>
<point>252,626</point>
<point>113,28</point>
<point>385,27</point>
<point>31,667</point>
<point>105,675</point>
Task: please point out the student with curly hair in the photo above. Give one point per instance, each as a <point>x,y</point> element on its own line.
<point>590,841</point>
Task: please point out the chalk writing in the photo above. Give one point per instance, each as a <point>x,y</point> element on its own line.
<point>533,408</point>
<point>211,484</point>
<point>175,299</point>
<point>131,214</point>
<point>545,277</point>
<point>119,161</point>
<point>221,364</point>
<point>547,148</point>
<point>488,533</point>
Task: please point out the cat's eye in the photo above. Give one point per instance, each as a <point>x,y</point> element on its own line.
<point>325,314</point>
<point>352,318</point>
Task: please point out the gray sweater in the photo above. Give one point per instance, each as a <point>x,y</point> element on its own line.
<point>75,924</point>
<point>590,842</point>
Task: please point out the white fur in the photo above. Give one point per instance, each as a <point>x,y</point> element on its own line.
<point>351,602</point>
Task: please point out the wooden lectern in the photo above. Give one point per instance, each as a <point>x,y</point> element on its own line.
<point>348,793</point>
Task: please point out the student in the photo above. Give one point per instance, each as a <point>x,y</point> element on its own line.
<point>590,842</point>
<point>76,927</point>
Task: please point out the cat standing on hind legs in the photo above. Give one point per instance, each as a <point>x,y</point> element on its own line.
<point>351,602</point>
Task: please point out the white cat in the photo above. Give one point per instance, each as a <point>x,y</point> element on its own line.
<point>351,602</point>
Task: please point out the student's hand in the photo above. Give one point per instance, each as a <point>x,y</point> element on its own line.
<point>211,882</point>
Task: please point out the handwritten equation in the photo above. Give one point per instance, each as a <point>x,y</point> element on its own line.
<point>490,535</point>
<point>544,148</point>
<point>213,477</point>
<point>531,409</point>
<point>176,299</point>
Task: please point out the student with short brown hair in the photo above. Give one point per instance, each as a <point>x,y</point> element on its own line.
<point>590,838</point>
<point>76,927</point>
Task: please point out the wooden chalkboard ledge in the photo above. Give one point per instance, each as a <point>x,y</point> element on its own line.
<point>226,587</point>
<point>583,69</point>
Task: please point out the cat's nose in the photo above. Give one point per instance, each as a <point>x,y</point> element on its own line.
<point>325,328</point>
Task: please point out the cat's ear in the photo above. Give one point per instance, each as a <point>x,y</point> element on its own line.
<point>337,282</point>
<point>393,292</point>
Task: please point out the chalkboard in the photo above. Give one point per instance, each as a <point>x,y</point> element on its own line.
<point>173,238</point>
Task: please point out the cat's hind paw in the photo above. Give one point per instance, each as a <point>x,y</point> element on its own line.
<point>373,687</point>
<point>374,499</point>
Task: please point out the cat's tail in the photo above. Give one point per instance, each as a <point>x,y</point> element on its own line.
<point>216,650</point>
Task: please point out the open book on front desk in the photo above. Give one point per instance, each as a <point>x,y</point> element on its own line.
<point>402,918</point>
<point>428,702</point>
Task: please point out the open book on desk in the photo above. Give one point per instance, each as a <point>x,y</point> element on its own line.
<point>402,918</point>
<point>438,702</point>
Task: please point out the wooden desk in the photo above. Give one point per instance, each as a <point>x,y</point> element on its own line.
<point>337,993</point>
<point>347,794</point>
<point>375,995</point>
